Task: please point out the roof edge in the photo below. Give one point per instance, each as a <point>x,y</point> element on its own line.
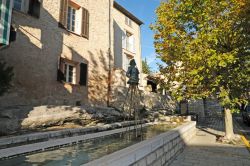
<point>127,13</point>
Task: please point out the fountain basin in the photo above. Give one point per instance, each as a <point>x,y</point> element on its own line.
<point>81,151</point>
<point>159,150</point>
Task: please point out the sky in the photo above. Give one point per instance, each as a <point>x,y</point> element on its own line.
<point>145,11</point>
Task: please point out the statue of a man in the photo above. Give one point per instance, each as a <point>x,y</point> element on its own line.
<point>133,73</point>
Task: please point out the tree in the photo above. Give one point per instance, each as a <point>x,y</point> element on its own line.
<point>145,67</point>
<point>206,47</point>
<point>6,74</point>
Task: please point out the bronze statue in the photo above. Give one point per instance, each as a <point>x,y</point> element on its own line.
<point>133,73</point>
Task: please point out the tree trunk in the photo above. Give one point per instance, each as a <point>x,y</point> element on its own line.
<point>228,124</point>
<point>187,107</point>
<point>205,106</point>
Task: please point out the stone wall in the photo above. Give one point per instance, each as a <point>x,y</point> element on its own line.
<point>39,45</point>
<point>160,150</point>
<point>152,101</point>
<point>213,107</point>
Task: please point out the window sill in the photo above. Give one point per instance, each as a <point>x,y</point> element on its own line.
<point>73,32</point>
<point>79,35</point>
<point>73,85</point>
<point>129,52</point>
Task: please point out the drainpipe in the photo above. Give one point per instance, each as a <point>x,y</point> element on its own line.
<point>109,56</point>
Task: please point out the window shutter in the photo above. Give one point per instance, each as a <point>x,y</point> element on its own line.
<point>85,23</point>
<point>83,74</point>
<point>60,73</point>
<point>34,8</point>
<point>63,13</point>
<point>133,44</point>
<point>124,40</point>
<point>12,34</point>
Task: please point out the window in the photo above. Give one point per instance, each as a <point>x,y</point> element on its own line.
<point>72,72</point>
<point>69,72</point>
<point>83,74</point>
<point>74,18</point>
<point>18,5</point>
<point>71,19</point>
<point>128,41</point>
<point>31,7</point>
<point>126,60</point>
<point>128,21</point>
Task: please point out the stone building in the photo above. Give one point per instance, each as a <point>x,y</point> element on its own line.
<point>69,52</point>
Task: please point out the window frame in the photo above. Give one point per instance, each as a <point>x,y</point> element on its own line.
<point>126,60</point>
<point>21,7</point>
<point>71,19</point>
<point>25,8</point>
<point>128,21</point>
<point>66,71</point>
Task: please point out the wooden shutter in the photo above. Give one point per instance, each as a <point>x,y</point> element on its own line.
<point>12,34</point>
<point>85,23</point>
<point>133,44</point>
<point>124,40</point>
<point>63,13</point>
<point>83,74</point>
<point>60,73</point>
<point>34,8</point>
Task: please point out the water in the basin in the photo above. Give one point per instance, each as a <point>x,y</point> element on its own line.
<point>87,151</point>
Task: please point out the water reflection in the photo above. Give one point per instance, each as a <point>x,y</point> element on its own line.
<point>87,151</point>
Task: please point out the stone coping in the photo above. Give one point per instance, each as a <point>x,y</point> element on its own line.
<point>7,142</point>
<point>57,143</point>
<point>134,153</point>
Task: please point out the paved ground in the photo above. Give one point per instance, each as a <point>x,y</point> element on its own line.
<point>203,150</point>
<point>244,128</point>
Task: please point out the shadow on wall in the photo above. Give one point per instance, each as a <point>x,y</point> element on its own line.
<point>118,56</point>
<point>98,81</point>
<point>35,56</point>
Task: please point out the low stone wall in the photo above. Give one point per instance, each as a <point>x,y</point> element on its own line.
<point>160,150</point>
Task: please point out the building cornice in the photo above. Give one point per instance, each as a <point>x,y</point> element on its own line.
<point>127,13</point>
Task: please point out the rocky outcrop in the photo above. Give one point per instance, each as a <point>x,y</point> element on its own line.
<point>19,118</point>
<point>142,99</point>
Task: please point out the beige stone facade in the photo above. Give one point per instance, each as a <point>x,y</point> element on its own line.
<point>41,45</point>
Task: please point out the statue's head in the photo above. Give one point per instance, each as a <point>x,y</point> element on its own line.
<point>132,62</point>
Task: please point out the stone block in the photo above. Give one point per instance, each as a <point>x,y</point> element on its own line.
<point>159,152</point>
<point>163,159</point>
<point>151,158</point>
<point>142,162</point>
<point>166,148</point>
<point>157,163</point>
<point>167,156</point>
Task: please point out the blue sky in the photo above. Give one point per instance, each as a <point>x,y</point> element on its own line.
<point>145,11</point>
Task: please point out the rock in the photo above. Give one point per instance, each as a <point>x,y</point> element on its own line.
<point>8,126</point>
<point>44,116</point>
<point>174,123</point>
<point>18,118</point>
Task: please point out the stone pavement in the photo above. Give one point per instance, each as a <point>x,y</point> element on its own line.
<point>203,150</point>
